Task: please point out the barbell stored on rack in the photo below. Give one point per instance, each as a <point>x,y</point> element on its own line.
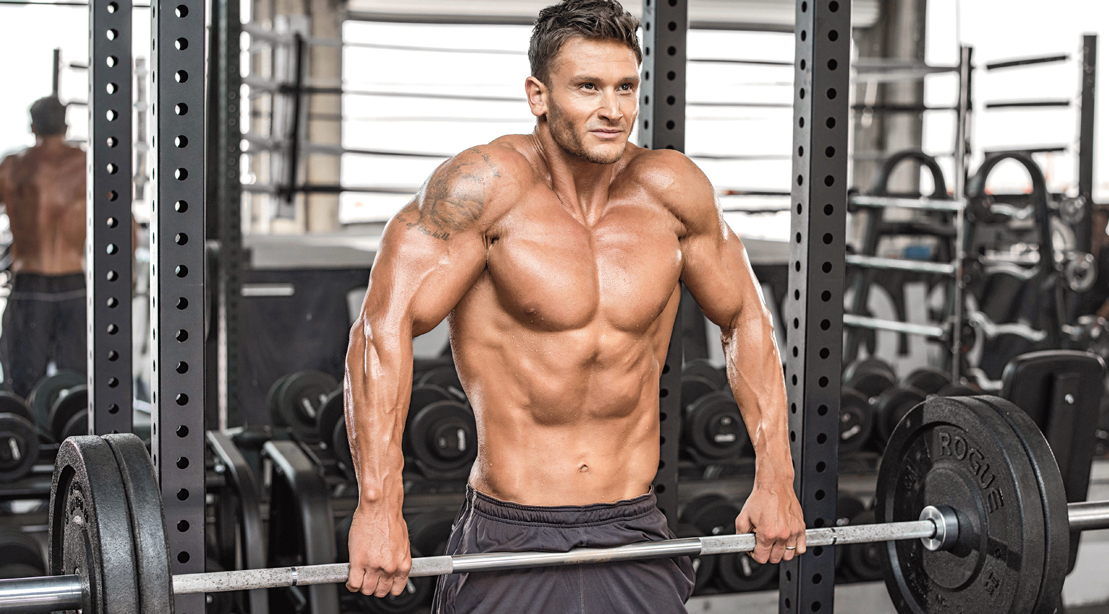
<point>970,503</point>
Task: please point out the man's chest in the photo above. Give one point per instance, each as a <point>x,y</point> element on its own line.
<point>558,271</point>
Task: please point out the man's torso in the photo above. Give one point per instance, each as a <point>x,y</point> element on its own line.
<point>44,194</point>
<point>561,341</point>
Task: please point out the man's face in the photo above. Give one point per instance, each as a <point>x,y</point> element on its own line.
<point>593,99</point>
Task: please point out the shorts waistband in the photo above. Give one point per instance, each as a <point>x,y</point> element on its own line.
<point>561,515</point>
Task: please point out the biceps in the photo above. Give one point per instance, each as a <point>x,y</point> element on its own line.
<point>720,277</point>
<point>418,278</point>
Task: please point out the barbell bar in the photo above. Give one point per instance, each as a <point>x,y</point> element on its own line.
<point>937,529</point>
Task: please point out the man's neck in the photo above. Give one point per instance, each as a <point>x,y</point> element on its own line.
<point>52,141</point>
<point>579,183</point>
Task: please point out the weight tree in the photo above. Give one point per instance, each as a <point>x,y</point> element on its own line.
<point>819,194</point>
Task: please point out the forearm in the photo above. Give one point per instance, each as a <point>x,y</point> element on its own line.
<point>755,376</point>
<point>377,394</point>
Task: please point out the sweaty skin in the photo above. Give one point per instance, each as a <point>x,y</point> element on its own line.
<point>557,256</point>
<point>43,191</point>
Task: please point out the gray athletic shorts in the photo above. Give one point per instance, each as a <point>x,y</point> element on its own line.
<point>485,524</point>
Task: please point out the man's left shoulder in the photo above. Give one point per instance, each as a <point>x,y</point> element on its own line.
<point>673,177</point>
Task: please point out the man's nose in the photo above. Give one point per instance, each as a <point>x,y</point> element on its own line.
<point>610,106</point>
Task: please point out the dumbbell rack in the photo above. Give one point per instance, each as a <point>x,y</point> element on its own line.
<point>874,206</point>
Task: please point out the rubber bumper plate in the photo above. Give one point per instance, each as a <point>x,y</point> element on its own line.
<point>950,452</point>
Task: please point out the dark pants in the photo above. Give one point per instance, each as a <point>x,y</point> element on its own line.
<point>484,524</point>
<point>44,320</point>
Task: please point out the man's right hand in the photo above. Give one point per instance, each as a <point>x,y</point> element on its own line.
<point>380,558</point>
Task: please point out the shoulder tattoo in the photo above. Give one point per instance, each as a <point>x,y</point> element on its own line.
<point>455,196</point>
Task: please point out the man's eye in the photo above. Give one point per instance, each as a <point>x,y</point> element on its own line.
<point>587,85</point>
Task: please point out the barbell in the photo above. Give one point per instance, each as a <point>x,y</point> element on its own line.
<point>969,502</point>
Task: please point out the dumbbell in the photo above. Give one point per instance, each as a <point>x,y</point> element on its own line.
<point>48,389</point>
<point>441,433</point>
<point>60,404</point>
<point>701,367</point>
<point>712,428</point>
<point>20,555</point>
<point>19,441</point>
<point>445,377</point>
<point>869,376</point>
<point>417,593</point>
<point>891,406</point>
<point>929,380</point>
<point>331,428</point>
<point>295,400</point>
<point>704,566</point>
<point>856,420</point>
<point>713,514</point>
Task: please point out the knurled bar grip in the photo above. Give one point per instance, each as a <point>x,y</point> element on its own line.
<point>221,581</point>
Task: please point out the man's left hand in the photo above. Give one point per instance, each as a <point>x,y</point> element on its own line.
<point>773,513</point>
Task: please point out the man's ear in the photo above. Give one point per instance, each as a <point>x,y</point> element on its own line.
<point>538,94</point>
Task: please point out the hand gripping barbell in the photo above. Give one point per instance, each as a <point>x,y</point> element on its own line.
<point>969,496</point>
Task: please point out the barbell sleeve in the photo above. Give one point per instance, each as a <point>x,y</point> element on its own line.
<point>43,594</point>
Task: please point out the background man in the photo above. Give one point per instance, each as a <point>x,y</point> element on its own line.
<point>43,191</point>
<point>558,257</point>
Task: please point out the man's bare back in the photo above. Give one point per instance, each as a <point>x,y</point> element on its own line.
<point>557,257</point>
<point>43,191</point>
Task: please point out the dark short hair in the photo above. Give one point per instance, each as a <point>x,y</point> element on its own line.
<point>589,19</point>
<point>48,116</point>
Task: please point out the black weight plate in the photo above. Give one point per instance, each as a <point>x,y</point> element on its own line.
<point>77,425</point>
<point>68,404</point>
<point>331,412</point>
<point>871,382</point>
<point>856,367</point>
<point>704,566</point>
<point>271,400</point>
<point>711,514</point>
<point>46,391</point>
<point>148,526</point>
<point>738,572</point>
<point>713,428</point>
<point>446,378</point>
<point>19,447</point>
<point>443,436</point>
<point>90,528</point>
<point>1052,496</point>
<point>426,394</point>
<point>929,380</point>
<point>340,443</point>
<point>946,451</point>
<point>430,531</point>
<point>701,367</point>
<point>12,403</point>
<point>694,387</point>
<point>856,420</point>
<point>892,405</point>
<point>19,550</point>
<point>862,562</point>
<point>847,508</point>
<point>299,400</point>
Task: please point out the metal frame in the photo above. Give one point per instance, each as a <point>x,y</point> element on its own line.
<point>813,344</point>
<point>662,126</point>
<point>1086,138</point>
<point>108,248</point>
<point>177,275</point>
<point>225,209</point>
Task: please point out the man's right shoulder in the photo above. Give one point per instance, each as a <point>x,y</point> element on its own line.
<point>475,186</point>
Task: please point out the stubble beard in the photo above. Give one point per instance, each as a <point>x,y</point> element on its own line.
<point>570,141</point>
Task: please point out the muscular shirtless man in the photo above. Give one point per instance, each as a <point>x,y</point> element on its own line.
<point>43,191</point>
<point>558,256</point>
